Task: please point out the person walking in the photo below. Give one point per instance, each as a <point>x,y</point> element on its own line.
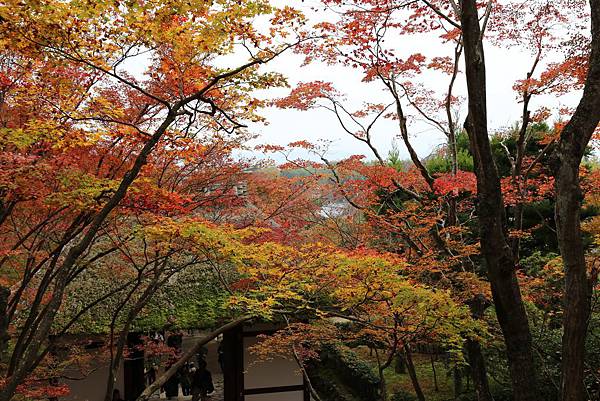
<point>221,356</point>
<point>172,384</point>
<point>201,355</point>
<point>185,374</point>
<point>202,384</point>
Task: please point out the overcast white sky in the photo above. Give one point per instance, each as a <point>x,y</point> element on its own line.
<point>504,67</point>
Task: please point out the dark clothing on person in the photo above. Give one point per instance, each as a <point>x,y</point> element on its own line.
<point>221,357</point>
<point>151,375</point>
<point>172,387</point>
<point>175,340</point>
<point>185,375</point>
<point>172,384</point>
<point>202,384</point>
<point>201,355</point>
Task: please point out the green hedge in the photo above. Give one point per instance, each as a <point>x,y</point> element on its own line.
<point>353,372</point>
<point>403,396</point>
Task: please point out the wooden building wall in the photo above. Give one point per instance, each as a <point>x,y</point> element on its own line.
<point>246,379</point>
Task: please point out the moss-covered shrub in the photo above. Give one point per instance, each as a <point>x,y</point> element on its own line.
<point>354,374</point>
<point>403,396</point>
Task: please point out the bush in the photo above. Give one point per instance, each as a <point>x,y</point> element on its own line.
<point>403,396</point>
<point>352,371</point>
<point>499,394</point>
<point>324,381</point>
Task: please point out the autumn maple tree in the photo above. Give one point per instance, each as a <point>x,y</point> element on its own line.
<point>120,176</point>
<point>563,59</point>
<point>80,134</point>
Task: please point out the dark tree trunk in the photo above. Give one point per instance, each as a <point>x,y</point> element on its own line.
<point>133,367</point>
<point>492,219</point>
<point>400,365</point>
<point>475,355</point>
<point>382,385</point>
<point>413,373</point>
<point>380,369</point>
<point>458,386</point>
<point>478,371</point>
<point>578,284</point>
<point>117,354</point>
<point>435,382</point>
<point>4,337</point>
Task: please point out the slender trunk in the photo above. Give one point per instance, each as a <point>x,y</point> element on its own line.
<point>382,384</point>
<point>30,357</point>
<point>478,371</point>
<point>477,307</point>
<point>117,357</point>
<point>435,382</point>
<point>457,375</point>
<point>474,353</point>
<point>4,337</point>
<point>381,367</point>
<point>413,373</point>
<point>578,284</point>
<point>400,365</point>
<point>115,364</point>
<point>313,393</point>
<point>499,258</point>
<point>453,152</point>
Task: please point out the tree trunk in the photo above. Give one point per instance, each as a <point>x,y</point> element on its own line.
<point>117,357</point>
<point>475,355</point>
<point>380,370</point>
<point>478,371</point>
<point>400,364</point>
<point>458,387</point>
<point>492,219</point>
<point>413,374</point>
<point>435,382</point>
<point>382,385</point>
<point>578,284</point>
<point>115,364</point>
<point>31,356</point>
<point>4,337</point>
<point>578,287</point>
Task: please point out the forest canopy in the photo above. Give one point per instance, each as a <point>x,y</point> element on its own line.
<point>139,192</point>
